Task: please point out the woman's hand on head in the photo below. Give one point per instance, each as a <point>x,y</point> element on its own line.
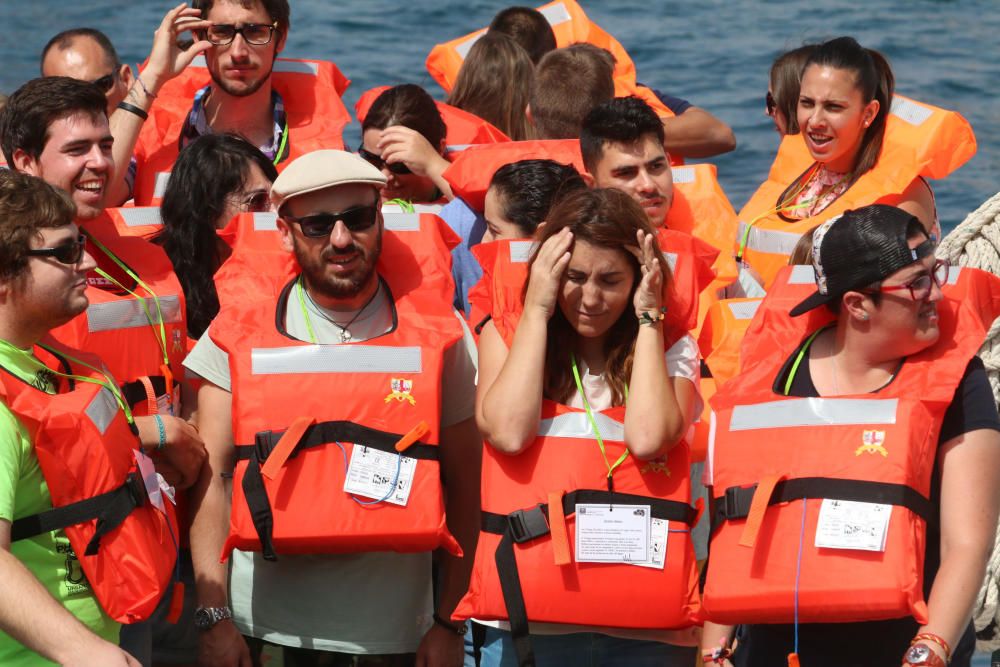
<point>649,294</point>
<point>402,144</point>
<point>547,272</point>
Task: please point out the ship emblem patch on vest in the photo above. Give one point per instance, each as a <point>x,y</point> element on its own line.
<point>872,443</point>
<point>401,391</point>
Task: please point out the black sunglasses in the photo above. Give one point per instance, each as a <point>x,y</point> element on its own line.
<point>770,104</point>
<point>257,34</point>
<point>317,226</point>
<point>398,168</point>
<point>67,253</point>
<point>106,81</point>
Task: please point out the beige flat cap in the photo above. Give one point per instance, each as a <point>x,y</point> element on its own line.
<point>320,170</point>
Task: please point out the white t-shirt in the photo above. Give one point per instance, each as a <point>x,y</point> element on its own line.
<point>682,361</point>
<point>351,603</point>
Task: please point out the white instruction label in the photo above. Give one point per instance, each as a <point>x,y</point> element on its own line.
<point>156,486</point>
<point>380,475</point>
<point>846,524</point>
<point>657,544</point>
<point>612,533</point>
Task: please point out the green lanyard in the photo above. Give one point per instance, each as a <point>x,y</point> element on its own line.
<point>7,350</point>
<point>155,324</point>
<point>404,205</point>
<point>798,359</point>
<point>305,313</point>
<point>281,146</point>
<point>593,424</point>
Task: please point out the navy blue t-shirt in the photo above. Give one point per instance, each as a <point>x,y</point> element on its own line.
<point>875,643</point>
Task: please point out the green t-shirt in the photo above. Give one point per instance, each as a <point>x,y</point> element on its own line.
<point>23,492</point>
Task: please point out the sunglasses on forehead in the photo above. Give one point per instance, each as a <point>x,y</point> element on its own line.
<point>66,253</point>
<point>320,225</point>
<point>398,168</point>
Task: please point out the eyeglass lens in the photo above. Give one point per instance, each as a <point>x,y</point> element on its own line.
<point>257,34</point>
<point>355,219</point>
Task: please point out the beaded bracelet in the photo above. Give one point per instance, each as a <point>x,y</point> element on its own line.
<point>162,432</point>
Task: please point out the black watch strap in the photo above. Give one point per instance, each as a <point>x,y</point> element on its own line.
<point>458,628</point>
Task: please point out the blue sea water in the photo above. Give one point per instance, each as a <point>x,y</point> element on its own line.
<point>715,53</point>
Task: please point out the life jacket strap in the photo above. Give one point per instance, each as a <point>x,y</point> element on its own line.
<point>109,509</point>
<point>316,435</point>
<point>134,392</point>
<point>524,525</point>
<point>735,503</point>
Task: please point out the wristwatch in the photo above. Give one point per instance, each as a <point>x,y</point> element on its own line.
<point>205,618</point>
<point>921,654</point>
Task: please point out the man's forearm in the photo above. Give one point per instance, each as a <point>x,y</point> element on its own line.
<point>34,618</point>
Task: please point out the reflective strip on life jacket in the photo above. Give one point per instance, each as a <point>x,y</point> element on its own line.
<point>813,412</point>
<point>131,313</point>
<point>336,359</point>
<point>743,310</point>
<point>141,216</point>
<point>102,410</point>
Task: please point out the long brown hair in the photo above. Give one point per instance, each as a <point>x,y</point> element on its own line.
<point>605,218</point>
<point>494,83</point>
<point>785,78</point>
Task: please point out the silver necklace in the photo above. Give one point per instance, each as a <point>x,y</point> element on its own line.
<point>345,335</point>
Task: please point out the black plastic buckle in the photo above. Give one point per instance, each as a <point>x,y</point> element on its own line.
<point>527,524</point>
<point>263,444</point>
<point>136,488</point>
<point>737,501</point>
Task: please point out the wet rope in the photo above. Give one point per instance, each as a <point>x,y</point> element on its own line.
<point>976,243</point>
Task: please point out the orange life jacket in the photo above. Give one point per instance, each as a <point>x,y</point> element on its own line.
<point>124,330</point>
<point>524,568</point>
<point>920,141</point>
<point>298,408</point>
<point>570,25</point>
<point>464,129</point>
<point>142,221</point>
<point>315,114</point>
<point>86,451</point>
<point>775,457</point>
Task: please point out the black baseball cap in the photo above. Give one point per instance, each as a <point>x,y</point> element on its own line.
<point>858,248</point>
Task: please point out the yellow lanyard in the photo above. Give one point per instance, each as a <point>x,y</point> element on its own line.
<point>7,350</point>
<point>785,205</point>
<point>597,433</point>
<point>159,330</point>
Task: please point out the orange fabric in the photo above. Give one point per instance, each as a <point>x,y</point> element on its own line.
<point>759,585</point>
<point>472,170</point>
<point>132,569</point>
<point>312,513</point>
<point>941,142</point>
<point>115,328</point>
<point>562,555</point>
<point>464,128</point>
<point>560,590</point>
<point>286,444</point>
<point>570,25</point>
<point>761,498</point>
<point>143,221</point>
<point>310,89</point>
<point>151,406</point>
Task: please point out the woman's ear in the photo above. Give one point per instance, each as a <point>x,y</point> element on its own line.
<point>857,305</point>
<point>871,112</point>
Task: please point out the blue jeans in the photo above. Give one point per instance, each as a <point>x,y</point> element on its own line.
<point>586,649</point>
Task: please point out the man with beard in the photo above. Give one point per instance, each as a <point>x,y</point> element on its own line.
<point>356,314</point>
<point>242,40</point>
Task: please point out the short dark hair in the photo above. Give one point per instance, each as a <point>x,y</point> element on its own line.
<point>528,188</point>
<point>278,10</point>
<point>32,108</point>
<point>65,39</point>
<point>622,120</point>
<point>528,27</point>
<point>27,205</point>
<point>411,106</point>
<point>569,82</point>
